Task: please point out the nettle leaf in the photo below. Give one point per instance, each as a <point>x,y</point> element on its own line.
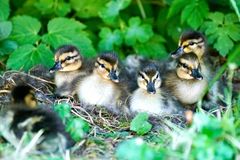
<point>112,9</point>
<point>26,56</point>
<point>140,124</point>
<point>25,30</point>
<point>7,47</point>
<point>77,128</point>
<point>176,7</point>
<point>5,29</point>
<point>154,48</point>
<point>222,31</point>
<point>194,13</point>
<point>88,8</point>
<point>68,31</point>
<point>59,8</point>
<point>109,39</point>
<point>137,32</point>
<point>5,10</point>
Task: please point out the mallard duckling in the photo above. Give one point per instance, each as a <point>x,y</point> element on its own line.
<point>102,86</point>
<point>187,83</point>
<point>28,116</point>
<point>150,97</point>
<point>68,68</point>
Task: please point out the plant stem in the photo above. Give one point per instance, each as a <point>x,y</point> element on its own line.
<point>234,5</point>
<point>140,6</point>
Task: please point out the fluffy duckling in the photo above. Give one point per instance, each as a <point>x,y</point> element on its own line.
<point>187,83</point>
<point>27,116</point>
<point>150,97</point>
<point>102,86</point>
<point>68,68</point>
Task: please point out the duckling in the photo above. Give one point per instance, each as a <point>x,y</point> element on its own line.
<point>68,68</point>
<point>186,82</point>
<point>102,86</point>
<point>28,116</point>
<point>150,97</point>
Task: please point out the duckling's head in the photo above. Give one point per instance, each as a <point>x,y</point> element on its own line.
<point>67,58</point>
<point>190,41</point>
<point>149,78</point>
<point>23,94</point>
<point>106,66</point>
<point>189,67</point>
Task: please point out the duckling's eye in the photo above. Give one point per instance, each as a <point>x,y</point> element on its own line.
<point>68,58</point>
<point>102,65</point>
<point>191,43</point>
<point>141,75</point>
<point>184,65</point>
<point>157,76</point>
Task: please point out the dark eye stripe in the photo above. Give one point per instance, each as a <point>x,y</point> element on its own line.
<point>140,74</point>
<point>183,65</point>
<point>100,64</point>
<point>69,58</point>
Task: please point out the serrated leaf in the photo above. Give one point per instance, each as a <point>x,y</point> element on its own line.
<point>154,48</point>
<point>194,13</point>
<point>60,8</point>
<point>137,32</point>
<point>88,8</point>
<point>112,9</point>
<point>27,56</point>
<point>109,39</point>
<point>68,31</point>
<point>5,10</point>
<point>216,17</point>
<point>77,128</point>
<point>140,124</point>
<point>176,7</point>
<point>223,44</point>
<point>25,30</point>
<point>5,29</point>
<point>7,47</point>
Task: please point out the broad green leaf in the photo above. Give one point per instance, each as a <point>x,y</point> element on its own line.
<point>68,31</point>
<point>88,8</point>
<point>77,128</point>
<point>176,7</point>
<point>63,110</point>
<point>140,124</point>
<point>7,47</point>
<point>59,8</point>
<point>154,48</point>
<point>4,10</point>
<point>137,32</point>
<point>5,29</point>
<point>25,30</point>
<point>222,31</point>
<point>109,39</point>
<point>234,56</point>
<point>112,9</point>
<point>27,56</point>
<point>194,13</point>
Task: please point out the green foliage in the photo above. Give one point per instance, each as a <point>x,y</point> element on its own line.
<point>5,10</point>
<point>75,126</point>
<point>140,124</point>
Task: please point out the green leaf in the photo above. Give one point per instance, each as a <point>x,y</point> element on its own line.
<point>88,8</point>
<point>5,29</point>
<point>7,47</point>
<point>25,30</point>
<point>109,39</point>
<point>47,7</point>
<point>5,10</point>
<point>137,32</point>
<point>26,56</point>
<point>140,124</point>
<point>63,110</point>
<point>77,128</point>
<point>176,7</point>
<point>154,48</point>
<point>194,13</point>
<point>222,31</point>
<point>68,31</point>
<point>112,9</point>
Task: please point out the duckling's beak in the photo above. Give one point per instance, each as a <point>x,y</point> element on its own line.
<point>177,53</point>
<point>196,74</point>
<point>57,66</point>
<point>113,76</point>
<point>150,88</point>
